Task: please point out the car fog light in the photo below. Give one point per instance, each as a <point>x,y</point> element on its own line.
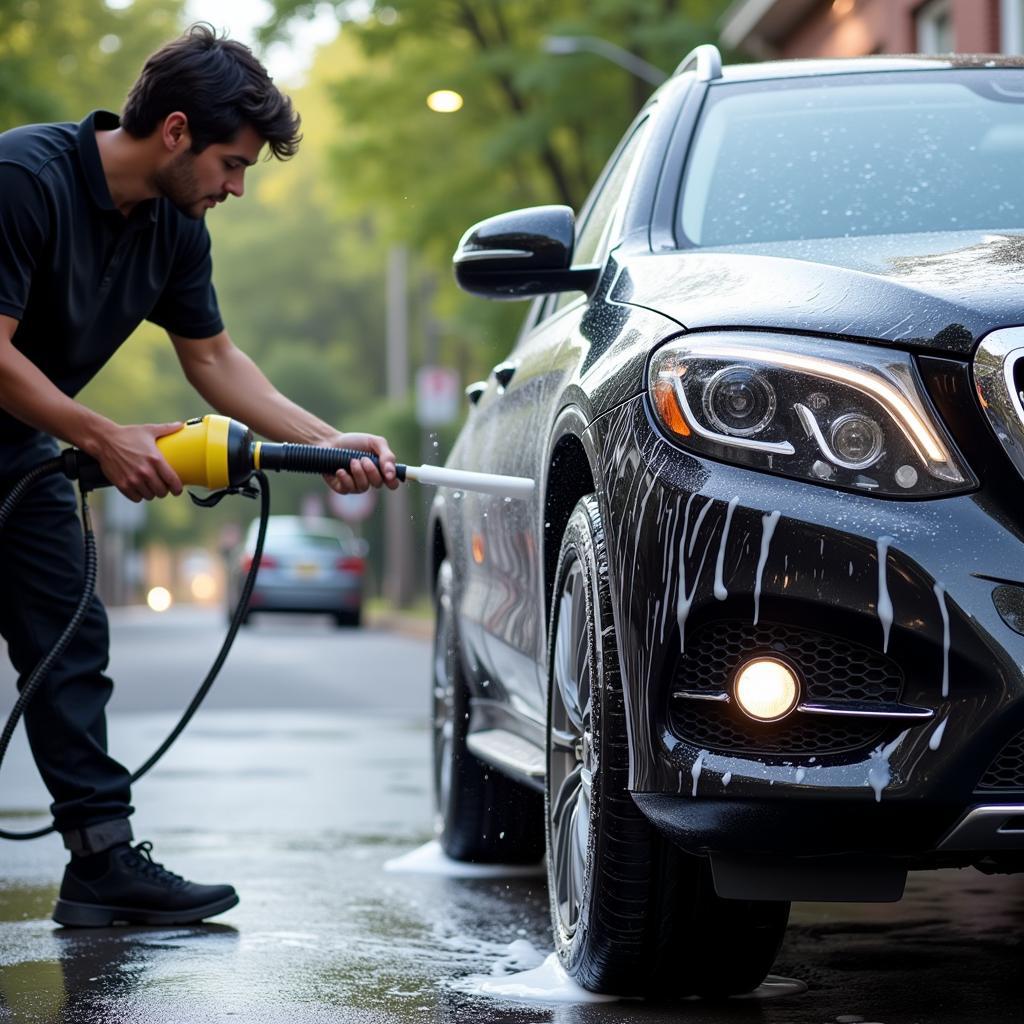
<point>766,689</point>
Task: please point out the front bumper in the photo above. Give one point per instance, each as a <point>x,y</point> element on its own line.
<point>917,610</point>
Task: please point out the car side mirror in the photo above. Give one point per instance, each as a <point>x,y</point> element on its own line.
<point>522,253</point>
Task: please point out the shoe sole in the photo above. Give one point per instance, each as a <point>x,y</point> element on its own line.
<point>96,915</point>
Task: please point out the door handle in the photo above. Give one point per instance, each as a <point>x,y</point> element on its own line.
<point>504,372</point>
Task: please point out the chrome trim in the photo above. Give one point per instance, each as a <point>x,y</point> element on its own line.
<point>706,60</point>
<point>772,447</point>
<point>847,708</point>
<point>722,698</point>
<point>993,367</point>
<point>492,254</point>
<point>981,828</point>
<point>865,709</point>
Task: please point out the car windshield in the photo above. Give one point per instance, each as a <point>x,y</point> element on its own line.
<point>851,155</point>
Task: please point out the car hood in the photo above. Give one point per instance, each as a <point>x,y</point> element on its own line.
<point>933,291</point>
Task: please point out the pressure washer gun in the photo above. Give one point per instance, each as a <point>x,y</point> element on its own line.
<point>221,455</point>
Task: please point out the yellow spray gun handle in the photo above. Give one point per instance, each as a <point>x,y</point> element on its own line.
<point>210,451</point>
<point>217,452</point>
<point>201,451</point>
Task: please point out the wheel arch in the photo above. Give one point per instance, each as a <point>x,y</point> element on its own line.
<point>437,545</point>
<point>569,476</point>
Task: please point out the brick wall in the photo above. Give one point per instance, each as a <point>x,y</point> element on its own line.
<point>887,26</point>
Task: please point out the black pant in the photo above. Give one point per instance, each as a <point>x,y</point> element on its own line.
<point>41,578</point>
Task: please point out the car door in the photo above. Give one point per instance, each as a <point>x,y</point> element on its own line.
<point>523,399</point>
<point>502,560</point>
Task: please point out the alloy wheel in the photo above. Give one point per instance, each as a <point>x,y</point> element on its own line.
<point>443,703</point>
<point>572,757</point>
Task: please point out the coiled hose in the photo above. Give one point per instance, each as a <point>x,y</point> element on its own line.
<point>39,673</point>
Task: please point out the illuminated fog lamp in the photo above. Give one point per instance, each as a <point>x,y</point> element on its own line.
<point>766,689</point>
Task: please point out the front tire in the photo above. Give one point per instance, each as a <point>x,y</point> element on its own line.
<point>631,914</point>
<point>482,815</point>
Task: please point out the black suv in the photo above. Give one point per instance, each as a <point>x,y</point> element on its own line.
<point>758,636</point>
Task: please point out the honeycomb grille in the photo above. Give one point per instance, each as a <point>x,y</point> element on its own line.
<point>1007,770</point>
<point>833,669</point>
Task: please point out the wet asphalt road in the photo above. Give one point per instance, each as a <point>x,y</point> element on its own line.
<point>305,775</point>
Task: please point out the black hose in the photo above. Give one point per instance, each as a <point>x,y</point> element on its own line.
<point>17,492</point>
<point>236,621</point>
<point>39,673</point>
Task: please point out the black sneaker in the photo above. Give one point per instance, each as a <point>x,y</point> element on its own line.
<point>131,887</point>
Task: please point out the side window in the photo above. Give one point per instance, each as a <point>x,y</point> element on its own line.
<point>592,240</point>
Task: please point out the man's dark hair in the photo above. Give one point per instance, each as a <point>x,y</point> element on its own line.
<point>219,85</point>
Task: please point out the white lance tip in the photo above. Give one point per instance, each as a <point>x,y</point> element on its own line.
<point>488,483</point>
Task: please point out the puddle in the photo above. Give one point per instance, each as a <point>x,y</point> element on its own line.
<point>430,859</point>
<point>25,902</point>
<point>774,987</point>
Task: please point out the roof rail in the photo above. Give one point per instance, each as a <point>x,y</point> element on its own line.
<point>705,60</point>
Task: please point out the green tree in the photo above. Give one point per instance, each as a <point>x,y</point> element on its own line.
<point>535,128</point>
<point>57,64</point>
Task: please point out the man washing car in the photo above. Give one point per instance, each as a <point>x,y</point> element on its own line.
<point>101,227</point>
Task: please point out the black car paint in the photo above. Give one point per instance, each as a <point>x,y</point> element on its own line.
<point>895,289</point>
<point>576,410</point>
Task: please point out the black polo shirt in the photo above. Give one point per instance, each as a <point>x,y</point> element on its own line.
<point>77,273</point>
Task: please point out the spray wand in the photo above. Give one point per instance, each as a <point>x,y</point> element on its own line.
<point>221,454</point>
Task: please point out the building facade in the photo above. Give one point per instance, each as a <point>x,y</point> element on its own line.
<point>770,29</point>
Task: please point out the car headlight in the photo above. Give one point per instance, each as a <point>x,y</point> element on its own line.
<point>840,414</point>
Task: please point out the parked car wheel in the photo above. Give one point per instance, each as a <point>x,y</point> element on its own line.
<point>631,913</point>
<point>483,816</point>
<point>351,619</point>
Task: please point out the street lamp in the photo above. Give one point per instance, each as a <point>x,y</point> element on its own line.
<point>444,101</point>
<point>562,45</point>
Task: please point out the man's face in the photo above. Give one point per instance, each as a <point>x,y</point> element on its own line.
<point>196,182</point>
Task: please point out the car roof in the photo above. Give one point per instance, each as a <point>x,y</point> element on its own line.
<point>807,68</point>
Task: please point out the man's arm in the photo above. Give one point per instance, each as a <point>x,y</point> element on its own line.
<point>235,386</point>
<point>128,455</point>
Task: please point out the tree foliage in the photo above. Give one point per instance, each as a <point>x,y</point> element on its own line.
<point>57,62</point>
<point>535,128</point>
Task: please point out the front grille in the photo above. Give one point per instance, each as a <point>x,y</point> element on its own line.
<point>833,670</point>
<point>1007,770</point>
<point>724,729</point>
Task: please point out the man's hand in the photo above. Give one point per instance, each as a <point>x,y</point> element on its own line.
<point>362,474</point>
<point>131,461</point>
